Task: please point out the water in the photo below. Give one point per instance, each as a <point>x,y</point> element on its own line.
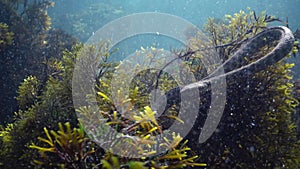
<point>248,120</point>
<point>194,11</point>
<point>75,19</point>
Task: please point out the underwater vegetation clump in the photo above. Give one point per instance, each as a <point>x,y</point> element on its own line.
<point>44,103</point>
<point>70,145</point>
<point>6,36</point>
<point>257,129</point>
<point>26,41</point>
<point>54,105</point>
<point>28,91</point>
<point>69,148</point>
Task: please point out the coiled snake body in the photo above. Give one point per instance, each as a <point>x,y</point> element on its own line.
<point>237,64</point>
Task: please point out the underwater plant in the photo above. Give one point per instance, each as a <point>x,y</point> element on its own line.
<point>257,129</point>
<point>52,104</point>
<point>26,41</point>
<point>28,91</point>
<point>6,37</point>
<point>70,145</point>
<point>124,112</point>
<point>44,102</point>
<point>71,149</point>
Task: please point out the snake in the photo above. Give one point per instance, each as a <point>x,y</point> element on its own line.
<point>238,63</point>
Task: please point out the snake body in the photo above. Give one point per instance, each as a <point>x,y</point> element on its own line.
<point>237,64</point>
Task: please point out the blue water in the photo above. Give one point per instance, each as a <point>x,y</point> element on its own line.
<point>83,18</point>
<point>195,11</point>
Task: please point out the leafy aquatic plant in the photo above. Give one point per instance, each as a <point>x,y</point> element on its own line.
<point>28,92</point>
<point>6,36</point>
<point>28,24</point>
<point>142,126</point>
<point>257,129</point>
<point>46,103</point>
<point>70,146</point>
<point>53,105</point>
